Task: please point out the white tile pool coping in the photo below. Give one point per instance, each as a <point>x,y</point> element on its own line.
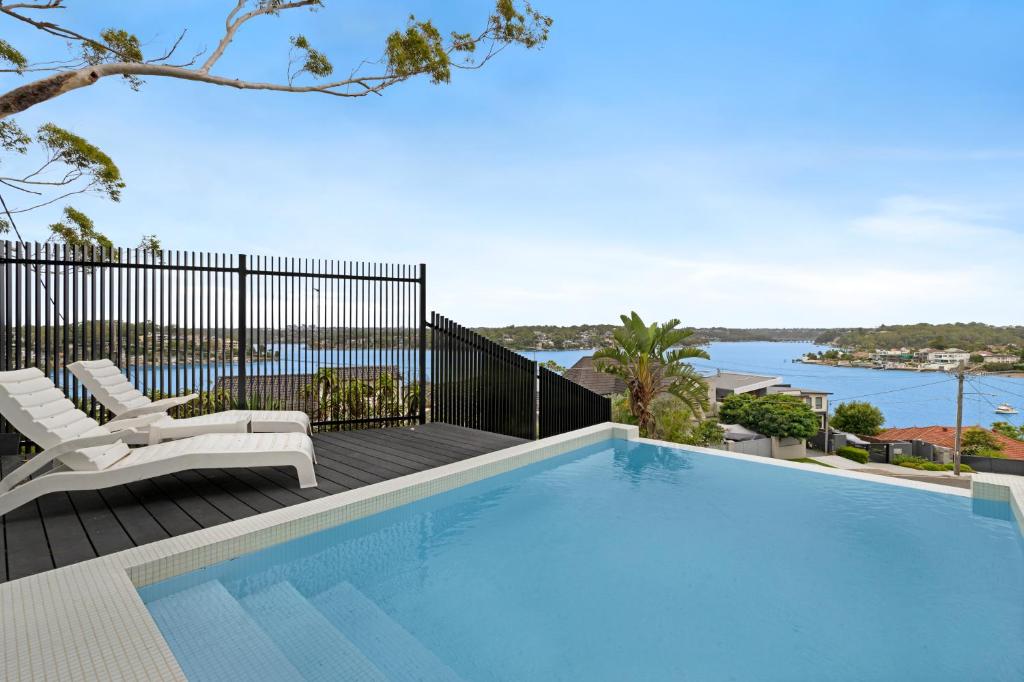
<point>87,622</point>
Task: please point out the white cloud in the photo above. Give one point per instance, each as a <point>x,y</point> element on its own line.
<point>927,220</point>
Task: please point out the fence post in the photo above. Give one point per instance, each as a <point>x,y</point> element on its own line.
<point>535,400</point>
<point>423,343</point>
<point>243,337</point>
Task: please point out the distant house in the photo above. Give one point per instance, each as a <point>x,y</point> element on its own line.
<point>587,375</point>
<point>720,386</point>
<point>815,399</point>
<point>945,437</point>
<point>724,384</point>
<point>892,355</point>
<point>990,358</point>
<point>950,356</point>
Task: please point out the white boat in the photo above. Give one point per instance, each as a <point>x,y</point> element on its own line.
<point>1006,408</point>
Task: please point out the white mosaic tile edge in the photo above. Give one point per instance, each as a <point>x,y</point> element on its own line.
<point>86,621</point>
<point>817,469</point>
<point>1002,488</point>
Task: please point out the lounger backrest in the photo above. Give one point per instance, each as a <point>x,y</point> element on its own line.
<point>104,380</point>
<point>41,412</point>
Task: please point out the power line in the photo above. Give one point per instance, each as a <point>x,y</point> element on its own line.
<point>1000,388</point>
<point>894,390</point>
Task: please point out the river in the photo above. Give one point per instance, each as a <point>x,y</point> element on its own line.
<point>906,398</point>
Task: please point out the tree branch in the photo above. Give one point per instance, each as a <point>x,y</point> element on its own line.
<point>28,95</point>
<point>231,25</point>
<point>416,52</point>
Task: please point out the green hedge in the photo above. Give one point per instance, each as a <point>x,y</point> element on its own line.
<point>922,464</point>
<point>856,454</point>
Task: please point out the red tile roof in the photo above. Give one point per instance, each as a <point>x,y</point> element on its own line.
<point>945,436</point>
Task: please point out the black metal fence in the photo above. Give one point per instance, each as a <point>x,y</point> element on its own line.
<point>567,406</point>
<point>479,384</point>
<point>343,341</point>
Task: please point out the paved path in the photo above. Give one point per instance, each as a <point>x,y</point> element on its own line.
<point>838,462</point>
<point>941,477</point>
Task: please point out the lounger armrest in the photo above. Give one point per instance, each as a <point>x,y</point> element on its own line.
<point>156,406</point>
<point>136,423</point>
<point>37,462</point>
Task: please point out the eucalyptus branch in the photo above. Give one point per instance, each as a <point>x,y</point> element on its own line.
<point>418,50</point>
<point>232,24</point>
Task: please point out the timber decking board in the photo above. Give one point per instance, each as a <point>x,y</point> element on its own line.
<point>64,528</point>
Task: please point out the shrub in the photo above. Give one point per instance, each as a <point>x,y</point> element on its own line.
<point>924,465</point>
<point>861,418</point>
<point>706,434</point>
<point>963,467</point>
<point>980,443</point>
<point>856,454</point>
<point>780,415</point>
<point>734,407</point>
<point>620,410</point>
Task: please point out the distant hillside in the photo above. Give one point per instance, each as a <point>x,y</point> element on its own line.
<point>970,336</point>
<point>533,337</point>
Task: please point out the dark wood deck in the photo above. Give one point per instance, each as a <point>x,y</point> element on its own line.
<point>64,528</point>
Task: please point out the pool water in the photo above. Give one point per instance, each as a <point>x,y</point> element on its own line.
<point>617,561</point>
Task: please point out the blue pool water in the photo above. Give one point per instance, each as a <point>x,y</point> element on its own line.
<point>623,561</point>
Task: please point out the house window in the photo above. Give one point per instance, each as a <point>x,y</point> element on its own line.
<point>817,402</point>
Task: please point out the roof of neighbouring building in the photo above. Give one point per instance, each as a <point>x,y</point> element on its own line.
<point>791,389</point>
<point>289,390</point>
<point>733,381</point>
<point>588,376</point>
<point>945,436</point>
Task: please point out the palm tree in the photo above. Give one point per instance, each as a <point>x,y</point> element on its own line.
<point>652,361</point>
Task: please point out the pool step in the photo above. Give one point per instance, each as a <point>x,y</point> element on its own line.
<point>395,651</point>
<point>213,638</point>
<point>314,646</point>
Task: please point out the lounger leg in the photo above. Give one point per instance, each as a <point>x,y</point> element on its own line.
<point>306,474</point>
<point>309,432</point>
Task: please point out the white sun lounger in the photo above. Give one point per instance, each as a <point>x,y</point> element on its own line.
<point>104,380</point>
<point>89,456</point>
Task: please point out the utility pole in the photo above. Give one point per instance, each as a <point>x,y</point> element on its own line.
<point>959,416</point>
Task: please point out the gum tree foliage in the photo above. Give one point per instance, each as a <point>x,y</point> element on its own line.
<point>651,360</point>
<point>861,418</point>
<point>61,164</point>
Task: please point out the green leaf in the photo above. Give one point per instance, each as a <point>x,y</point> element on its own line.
<point>13,138</point>
<point>316,63</point>
<point>78,230</point>
<point>12,56</point>
<point>78,153</point>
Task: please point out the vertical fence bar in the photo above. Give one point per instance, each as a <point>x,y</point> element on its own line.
<point>243,336</point>
<point>423,342</point>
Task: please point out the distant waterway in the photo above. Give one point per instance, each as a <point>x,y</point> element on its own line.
<point>907,398</point>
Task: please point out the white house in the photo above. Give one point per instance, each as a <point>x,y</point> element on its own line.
<point>950,356</point>
<point>991,358</point>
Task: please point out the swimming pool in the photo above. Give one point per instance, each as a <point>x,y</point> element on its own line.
<point>622,560</point>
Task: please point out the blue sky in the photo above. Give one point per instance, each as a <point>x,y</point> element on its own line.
<point>727,163</point>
